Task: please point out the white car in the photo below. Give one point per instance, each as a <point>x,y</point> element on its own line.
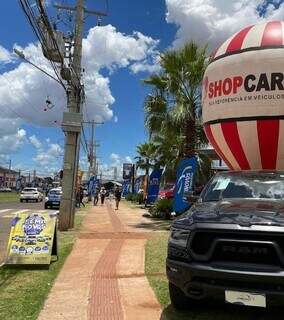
<point>31,194</point>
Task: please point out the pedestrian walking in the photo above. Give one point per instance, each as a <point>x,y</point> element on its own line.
<point>117,196</point>
<point>96,196</point>
<point>78,202</point>
<point>81,197</point>
<point>102,195</point>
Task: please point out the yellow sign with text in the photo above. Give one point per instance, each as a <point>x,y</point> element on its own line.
<point>32,239</point>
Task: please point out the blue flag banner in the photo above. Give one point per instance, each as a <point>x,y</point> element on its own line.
<point>92,185</point>
<point>126,187</point>
<point>138,184</point>
<point>154,185</point>
<point>186,169</point>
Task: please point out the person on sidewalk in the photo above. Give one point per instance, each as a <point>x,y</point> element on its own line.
<point>117,196</point>
<point>78,199</point>
<point>96,196</point>
<point>102,195</point>
<point>81,197</point>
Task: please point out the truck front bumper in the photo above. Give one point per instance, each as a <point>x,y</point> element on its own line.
<point>199,281</point>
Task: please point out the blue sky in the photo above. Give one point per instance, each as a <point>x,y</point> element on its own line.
<point>165,23</point>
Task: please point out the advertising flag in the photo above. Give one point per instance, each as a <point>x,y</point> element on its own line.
<point>127,171</point>
<point>126,187</point>
<point>185,173</point>
<point>154,185</point>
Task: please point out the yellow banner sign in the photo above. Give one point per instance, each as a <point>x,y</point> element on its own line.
<point>32,239</point>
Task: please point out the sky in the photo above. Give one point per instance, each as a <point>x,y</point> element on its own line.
<point>117,56</point>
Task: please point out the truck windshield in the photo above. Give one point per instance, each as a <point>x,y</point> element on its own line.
<point>258,185</point>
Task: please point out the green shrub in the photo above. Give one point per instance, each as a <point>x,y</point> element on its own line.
<point>162,209</point>
<point>129,197</point>
<point>135,197</point>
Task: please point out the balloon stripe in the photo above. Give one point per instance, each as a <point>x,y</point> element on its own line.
<point>272,34</point>
<point>212,140</point>
<point>237,41</point>
<point>231,135</point>
<point>268,135</point>
<point>280,153</point>
<point>249,140</point>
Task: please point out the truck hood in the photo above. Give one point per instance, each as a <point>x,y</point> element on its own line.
<point>244,212</point>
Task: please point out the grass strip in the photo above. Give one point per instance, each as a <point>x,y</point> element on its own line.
<point>23,290</point>
<point>9,196</point>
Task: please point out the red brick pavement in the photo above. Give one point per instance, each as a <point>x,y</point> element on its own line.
<point>105,301</point>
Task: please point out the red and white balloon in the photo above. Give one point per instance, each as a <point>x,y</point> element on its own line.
<point>243,98</point>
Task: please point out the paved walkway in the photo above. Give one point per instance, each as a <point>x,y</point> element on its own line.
<point>103,277</point>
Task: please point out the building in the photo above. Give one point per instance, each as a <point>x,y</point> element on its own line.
<point>8,178</point>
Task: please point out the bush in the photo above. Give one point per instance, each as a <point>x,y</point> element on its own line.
<point>129,197</point>
<point>162,209</point>
<point>135,197</point>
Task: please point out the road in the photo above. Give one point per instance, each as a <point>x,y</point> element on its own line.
<point>7,211</point>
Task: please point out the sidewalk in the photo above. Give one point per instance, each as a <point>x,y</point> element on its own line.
<point>103,278</point>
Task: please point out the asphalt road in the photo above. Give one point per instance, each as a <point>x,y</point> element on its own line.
<point>7,213</point>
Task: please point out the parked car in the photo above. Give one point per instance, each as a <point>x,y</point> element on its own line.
<point>53,198</point>
<point>31,194</point>
<point>5,189</point>
<point>167,192</point>
<point>230,244</point>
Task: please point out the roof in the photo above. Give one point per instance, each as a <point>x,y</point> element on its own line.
<point>5,170</point>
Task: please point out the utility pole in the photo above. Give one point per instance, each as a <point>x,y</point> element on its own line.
<point>72,140</point>
<point>58,49</point>
<point>93,147</point>
<point>72,122</point>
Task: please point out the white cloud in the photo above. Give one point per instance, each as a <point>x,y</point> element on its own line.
<point>49,157</point>
<point>24,90</point>
<point>213,21</point>
<point>10,143</point>
<point>115,157</point>
<point>128,159</point>
<point>5,55</point>
<point>115,119</point>
<point>35,142</point>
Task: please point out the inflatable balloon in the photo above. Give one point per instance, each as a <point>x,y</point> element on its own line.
<point>243,98</point>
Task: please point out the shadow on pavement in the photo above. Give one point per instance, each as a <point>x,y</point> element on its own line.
<point>219,311</point>
<point>154,224</point>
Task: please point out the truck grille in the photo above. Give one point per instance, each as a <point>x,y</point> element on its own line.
<point>237,246</point>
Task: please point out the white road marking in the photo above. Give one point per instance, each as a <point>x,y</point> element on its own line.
<point>4,210</point>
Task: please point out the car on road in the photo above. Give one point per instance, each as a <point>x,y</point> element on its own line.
<point>31,194</point>
<point>230,243</point>
<point>53,198</point>
<point>5,189</point>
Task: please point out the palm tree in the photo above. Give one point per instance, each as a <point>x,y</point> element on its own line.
<point>146,158</point>
<point>173,110</point>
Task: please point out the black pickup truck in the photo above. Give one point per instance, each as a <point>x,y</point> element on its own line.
<point>230,244</point>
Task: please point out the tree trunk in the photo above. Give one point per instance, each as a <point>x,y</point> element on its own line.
<point>190,138</point>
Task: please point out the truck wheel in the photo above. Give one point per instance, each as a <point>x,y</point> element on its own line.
<point>179,300</point>
<point>45,206</point>
<point>21,200</point>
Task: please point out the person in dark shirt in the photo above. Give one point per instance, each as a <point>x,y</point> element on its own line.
<point>117,196</point>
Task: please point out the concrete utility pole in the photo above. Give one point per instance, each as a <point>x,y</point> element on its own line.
<point>57,49</point>
<point>72,140</point>
<point>72,122</point>
<point>93,147</point>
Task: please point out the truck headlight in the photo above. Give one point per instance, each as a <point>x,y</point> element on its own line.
<point>179,237</point>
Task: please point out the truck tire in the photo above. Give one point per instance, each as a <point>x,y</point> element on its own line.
<point>178,299</point>
<point>21,200</point>
<point>45,206</point>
